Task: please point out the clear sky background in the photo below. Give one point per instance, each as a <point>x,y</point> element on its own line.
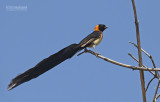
<point>46,26</point>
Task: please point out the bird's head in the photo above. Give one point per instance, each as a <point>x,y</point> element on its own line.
<point>100,27</point>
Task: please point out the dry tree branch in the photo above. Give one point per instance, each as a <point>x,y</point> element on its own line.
<point>120,64</point>
<point>139,52</point>
<point>145,67</point>
<point>154,98</point>
<point>149,83</point>
<point>151,58</point>
<point>146,54</point>
<point>135,59</point>
<point>138,62</point>
<point>157,96</point>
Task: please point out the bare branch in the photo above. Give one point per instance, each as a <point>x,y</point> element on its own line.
<point>138,62</point>
<point>81,53</point>
<point>85,50</point>
<point>156,73</point>
<point>139,52</point>
<point>154,98</point>
<point>157,96</point>
<point>146,54</point>
<point>135,59</point>
<point>149,83</point>
<point>121,64</point>
<point>141,49</point>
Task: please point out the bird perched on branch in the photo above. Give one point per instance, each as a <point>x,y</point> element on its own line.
<point>91,40</point>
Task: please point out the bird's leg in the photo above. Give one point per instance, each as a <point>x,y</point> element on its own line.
<point>96,51</point>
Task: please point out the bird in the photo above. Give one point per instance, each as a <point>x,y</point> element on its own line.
<point>46,64</point>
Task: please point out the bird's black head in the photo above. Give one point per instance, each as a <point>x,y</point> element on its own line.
<point>100,27</point>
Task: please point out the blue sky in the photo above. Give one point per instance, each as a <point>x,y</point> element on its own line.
<point>45,27</point>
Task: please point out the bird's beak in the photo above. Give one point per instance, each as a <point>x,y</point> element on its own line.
<point>105,27</point>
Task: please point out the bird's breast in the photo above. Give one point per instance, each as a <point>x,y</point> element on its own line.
<point>97,41</point>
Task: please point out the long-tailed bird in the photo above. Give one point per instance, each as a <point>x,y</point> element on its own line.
<point>91,40</point>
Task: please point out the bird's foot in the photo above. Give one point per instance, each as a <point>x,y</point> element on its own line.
<point>97,54</point>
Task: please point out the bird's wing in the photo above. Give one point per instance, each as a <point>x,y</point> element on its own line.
<point>87,41</point>
<point>44,65</point>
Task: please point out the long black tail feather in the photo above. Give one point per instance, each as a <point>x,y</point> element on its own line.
<point>45,65</point>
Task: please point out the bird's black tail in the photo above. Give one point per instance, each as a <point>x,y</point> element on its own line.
<point>45,65</point>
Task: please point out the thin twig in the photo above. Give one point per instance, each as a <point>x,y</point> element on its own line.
<point>135,58</point>
<point>157,96</point>
<point>82,52</point>
<point>141,49</point>
<point>148,56</point>
<point>138,62</point>
<point>154,98</point>
<point>149,83</point>
<point>152,61</point>
<point>150,72</point>
<point>121,64</point>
